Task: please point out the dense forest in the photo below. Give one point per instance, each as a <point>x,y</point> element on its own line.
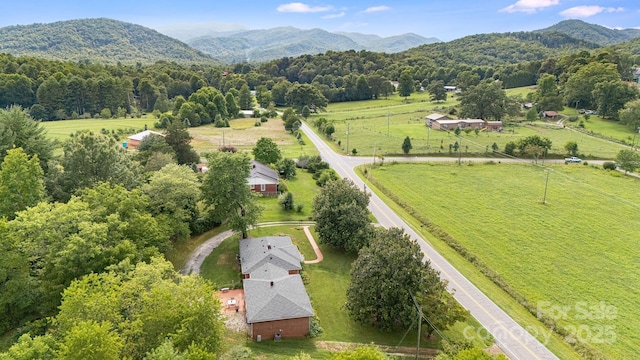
<point>55,90</point>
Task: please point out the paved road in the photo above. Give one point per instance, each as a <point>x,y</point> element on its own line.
<point>513,339</point>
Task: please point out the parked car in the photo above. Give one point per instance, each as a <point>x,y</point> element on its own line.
<point>573,159</point>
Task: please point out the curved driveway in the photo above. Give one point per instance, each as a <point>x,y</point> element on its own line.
<point>513,339</point>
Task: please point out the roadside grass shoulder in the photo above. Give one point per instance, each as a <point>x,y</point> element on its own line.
<point>495,212</point>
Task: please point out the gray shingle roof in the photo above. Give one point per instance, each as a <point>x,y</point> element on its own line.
<point>278,251</point>
<point>260,170</point>
<point>277,299</point>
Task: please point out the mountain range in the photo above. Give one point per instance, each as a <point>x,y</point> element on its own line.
<point>111,41</point>
<point>275,43</point>
<point>600,35</point>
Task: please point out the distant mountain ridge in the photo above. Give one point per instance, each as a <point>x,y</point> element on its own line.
<point>96,40</point>
<point>600,35</point>
<point>275,43</point>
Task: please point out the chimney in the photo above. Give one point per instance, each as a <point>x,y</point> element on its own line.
<point>272,284</point>
<point>269,246</point>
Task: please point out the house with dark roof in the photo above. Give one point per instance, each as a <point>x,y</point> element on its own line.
<point>263,179</point>
<point>276,301</point>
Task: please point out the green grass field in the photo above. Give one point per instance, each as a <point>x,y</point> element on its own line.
<point>303,188</point>
<point>60,130</point>
<point>578,250</point>
<point>380,126</point>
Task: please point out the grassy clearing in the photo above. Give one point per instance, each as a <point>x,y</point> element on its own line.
<point>577,251</point>
<point>380,126</point>
<point>521,91</point>
<point>60,130</point>
<point>303,188</point>
<point>243,135</point>
<point>222,267</point>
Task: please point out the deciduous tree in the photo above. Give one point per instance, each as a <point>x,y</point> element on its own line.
<point>628,160</point>
<point>225,190</point>
<point>300,95</point>
<point>266,151</point>
<point>486,101</point>
<point>21,182</point>
<point>341,215</point>
<point>405,84</point>
<point>179,139</point>
<point>386,278</point>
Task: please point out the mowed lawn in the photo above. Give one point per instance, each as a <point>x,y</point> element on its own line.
<point>61,130</point>
<point>578,253</point>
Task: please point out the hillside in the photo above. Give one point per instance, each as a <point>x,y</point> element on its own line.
<point>505,48</point>
<point>97,40</point>
<point>591,32</point>
<point>265,45</point>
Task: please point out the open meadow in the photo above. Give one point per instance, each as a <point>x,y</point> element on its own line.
<point>380,126</point>
<point>574,258</point>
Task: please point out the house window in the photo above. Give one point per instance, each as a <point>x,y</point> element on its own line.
<point>263,187</point>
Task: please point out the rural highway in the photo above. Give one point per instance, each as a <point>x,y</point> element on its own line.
<point>512,338</point>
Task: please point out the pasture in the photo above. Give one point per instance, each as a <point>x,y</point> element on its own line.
<point>380,126</point>
<point>577,253</point>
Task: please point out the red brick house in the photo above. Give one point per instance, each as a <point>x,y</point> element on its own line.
<point>276,302</point>
<point>263,179</point>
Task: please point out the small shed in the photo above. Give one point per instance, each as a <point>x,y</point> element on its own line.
<point>135,139</point>
<point>434,117</point>
<point>550,115</point>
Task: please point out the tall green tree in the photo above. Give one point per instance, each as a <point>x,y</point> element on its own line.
<point>611,96</point>
<point>90,158</point>
<point>91,341</point>
<point>266,151</point>
<point>174,192</point>
<point>245,101</point>
<point>630,115</point>
<point>225,190</point>
<point>578,90</point>
<point>21,182</point>
<point>300,95</point>
<point>406,145</point>
<point>405,84</point>
<point>547,93</point>
<point>232,107</point>
<point>178,137</point>
<point>341,215</point>
<point>17,129</point>
<point>145,306</point>
<point>487,101</point>
<point>628,160</point>
<point>437,91</point>
<point>386,278</point>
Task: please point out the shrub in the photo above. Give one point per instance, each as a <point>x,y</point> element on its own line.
<point>264,119</point>
<point>286,201</point>
<point>299,207</point>
<point>228,148</point>
<point>315,329</point>
<point>257,123</point>
<point>609,165</point>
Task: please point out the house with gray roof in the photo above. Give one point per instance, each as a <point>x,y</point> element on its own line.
<point>263,179</point>
<point>276,301</point>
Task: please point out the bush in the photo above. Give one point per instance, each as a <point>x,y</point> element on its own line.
<point>609,165</point>
<point>228,148</point>
<point>286,201</point>
<point>257,123</point>
<point>315,329</point>
<point>264,119</point>
<point>299,207</point>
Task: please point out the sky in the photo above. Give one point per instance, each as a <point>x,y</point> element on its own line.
<point>443,19</point>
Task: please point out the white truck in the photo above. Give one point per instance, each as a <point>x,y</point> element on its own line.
<point>573,159</point>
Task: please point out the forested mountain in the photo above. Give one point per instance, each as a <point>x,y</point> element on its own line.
<point>266,45</point>
<point>96,40</point>
<point>591,32</point>
<point>504,48</point>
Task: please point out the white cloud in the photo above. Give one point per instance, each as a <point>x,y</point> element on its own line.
<point>297,7</point>
<point>588,11</point>
<point>529,6</point>
<point>334,16</point>
<point>376,9</point>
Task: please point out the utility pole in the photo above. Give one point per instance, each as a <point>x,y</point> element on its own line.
<point>460,151</point>
<point>428,134</point>
<point>544,198</point>
<point>348,137</point>
<point>222,137</point>
<point>419,329</point>
<point>388,114</point>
